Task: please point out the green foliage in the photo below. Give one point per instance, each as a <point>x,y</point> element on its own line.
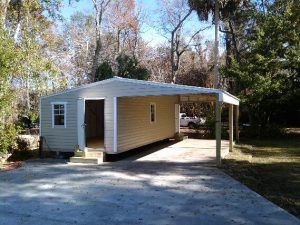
<point>8,65</point>
<point>210,125</point>
<point>268,74</point>
<point>23,144</point>
<point>8,134</point>
<point>128,68</point>
<point>255,131</point>
<point>33,115</point>
<point>25,65</point>
<point>104,71</point>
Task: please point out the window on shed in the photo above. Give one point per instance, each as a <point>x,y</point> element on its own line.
<point>152,112</point>
<point>59,114</point>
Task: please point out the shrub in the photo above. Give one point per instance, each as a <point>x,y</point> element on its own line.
<point>27,142</point>
<point>257,131</point>
<point>178,136</point>
<point>23,144</point>
<point>8,136</point>
<point>210,126</point>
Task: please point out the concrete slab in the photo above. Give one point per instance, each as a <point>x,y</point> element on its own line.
<point>189,150</point>
<point>156,189</point>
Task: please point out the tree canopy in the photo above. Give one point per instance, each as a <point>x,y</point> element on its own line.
<point>267,74</point>
<point>42,52</point>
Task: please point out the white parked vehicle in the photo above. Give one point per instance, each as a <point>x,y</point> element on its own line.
<point>191,122</point>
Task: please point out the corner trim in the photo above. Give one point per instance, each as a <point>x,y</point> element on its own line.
<point>115,119</point>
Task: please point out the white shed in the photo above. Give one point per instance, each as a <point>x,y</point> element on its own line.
<point>118,114</point>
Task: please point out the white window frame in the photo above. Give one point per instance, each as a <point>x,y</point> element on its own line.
<point>65,114</point>
<point>152,104</point>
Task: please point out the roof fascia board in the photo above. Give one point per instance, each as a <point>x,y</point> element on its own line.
<point>231,95</point>
<point>165,85</point>
<point>224,97</point>
<point>150,83</point>
<point>80,87</point>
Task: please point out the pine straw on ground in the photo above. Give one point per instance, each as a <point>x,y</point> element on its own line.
<point>10,165</point>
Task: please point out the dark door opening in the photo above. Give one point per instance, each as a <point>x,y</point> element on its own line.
<point>94,123</point>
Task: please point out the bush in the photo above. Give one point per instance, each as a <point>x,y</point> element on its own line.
<point>257,131</point>
<point>8,136</point>
<point>22,155</point>
<point>24,148</point>
<point>23,144</point>
<point>178,136</point>
<point>210,126</point>
<point>27,142</point>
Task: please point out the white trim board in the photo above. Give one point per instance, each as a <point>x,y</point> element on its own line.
<point>115,119</point>
<point>40,117</point>
<point>65,114</point>
<point>152,104</point>
<point>80,123</point>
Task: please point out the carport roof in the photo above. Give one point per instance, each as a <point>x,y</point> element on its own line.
<point>160,89</point>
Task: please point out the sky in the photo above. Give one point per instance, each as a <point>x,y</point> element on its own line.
<point>149,33</point>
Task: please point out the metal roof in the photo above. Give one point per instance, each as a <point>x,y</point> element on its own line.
<point>180,89</point>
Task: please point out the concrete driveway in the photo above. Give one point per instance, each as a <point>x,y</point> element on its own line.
<point>151,189</point>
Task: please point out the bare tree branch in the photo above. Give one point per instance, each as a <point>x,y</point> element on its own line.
<point>192,37</point>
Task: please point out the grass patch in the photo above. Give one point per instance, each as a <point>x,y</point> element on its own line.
<point>271,167</point>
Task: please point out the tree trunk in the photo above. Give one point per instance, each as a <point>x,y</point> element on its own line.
<point>237,54</point>
<point>216,47</point>
<point>96,58</point>
<point>18,28</point>
<point>118,41</point>
<point>99,9</point>
<point>173,64</point>
<point>3,11</point>
<point>27,94</point>
<point>172,58</point>
<point>263,7</point>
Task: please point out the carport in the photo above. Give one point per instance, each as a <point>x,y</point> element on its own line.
<point>220,99</point>
<point>186,94</point>
<point>118,114</point>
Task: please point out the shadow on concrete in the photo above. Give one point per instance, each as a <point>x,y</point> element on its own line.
<point>137,153</point>
<point>137,192</point>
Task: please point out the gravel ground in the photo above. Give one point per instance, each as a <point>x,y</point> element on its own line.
<point>165,187</point>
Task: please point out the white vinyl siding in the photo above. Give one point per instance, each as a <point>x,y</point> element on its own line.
<point>134,127</point>
<point>66,139</point>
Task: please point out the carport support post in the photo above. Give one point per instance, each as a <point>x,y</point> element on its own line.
<point>237,132</point>
<point>218,132</point>
<point>230,127</point>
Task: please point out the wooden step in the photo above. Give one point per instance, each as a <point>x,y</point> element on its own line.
<point>86,160</point>
<point>79,154</point>
<point>89,154</point>
<point>94,154</point>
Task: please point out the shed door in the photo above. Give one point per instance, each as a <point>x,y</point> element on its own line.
<point>81,123</point>
<point>177,118</point>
